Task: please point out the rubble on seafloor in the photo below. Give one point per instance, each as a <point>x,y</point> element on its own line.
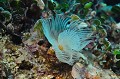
<point>38,61</point>
<point>29,62</point>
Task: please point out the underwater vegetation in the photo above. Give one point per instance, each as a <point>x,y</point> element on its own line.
<point>59,39</point>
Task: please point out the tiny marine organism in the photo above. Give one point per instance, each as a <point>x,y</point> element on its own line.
<point>66,38</point>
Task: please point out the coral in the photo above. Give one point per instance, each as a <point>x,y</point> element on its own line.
<point>27,53</point>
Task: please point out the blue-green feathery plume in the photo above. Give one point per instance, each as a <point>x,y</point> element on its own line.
<point>67,40</point>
